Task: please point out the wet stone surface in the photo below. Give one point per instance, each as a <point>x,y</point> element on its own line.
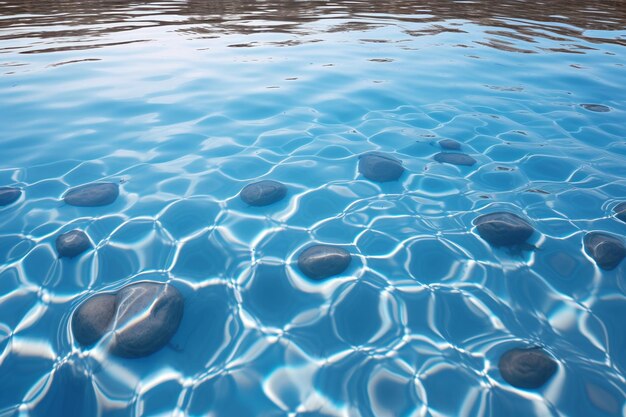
<point>323,261</point>
<point>263,193</point>
<point>72,243</point>
<point>92,195</point>
<point>455,159</point>
<point>145,315</point>
<point>450,145</point>
<point>598,108</point>
<point>9,195</point>
<point>605,249</point>
<point>379,167</point>
<point>527,368</point>
<point>620,211</point>
<point>503,229</point>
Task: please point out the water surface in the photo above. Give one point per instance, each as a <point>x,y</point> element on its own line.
<point>183,103</point>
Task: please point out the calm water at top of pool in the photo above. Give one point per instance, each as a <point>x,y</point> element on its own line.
<point>181,104</point>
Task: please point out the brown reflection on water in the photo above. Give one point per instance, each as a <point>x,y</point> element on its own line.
<point>66,25</point>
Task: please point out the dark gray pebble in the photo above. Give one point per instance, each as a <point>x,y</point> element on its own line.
<point>620,211</point>
<point>145,315</point>
<point>607,250</point>
<point>323,261</point>
<point>92,195</point>
<point>527,368</point>
<point>9,195</point>
<point>379,167</point>
<point>148,315</point>
<point>600,108</point>
<point>263,193</point>
<point>455,159</point>
<point>72,243</point>
<point>449,144</point>
<point>503,229</point>
<point>92,318</point>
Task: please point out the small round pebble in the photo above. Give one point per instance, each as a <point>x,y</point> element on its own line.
<point>72,243</point>
<point>599,108</point>
<point>503,229</point>
<point>379,167</point>
<point>92,319</point>
<point>9,195</point>
<point>526,368</point>
<point>323,261</point>
<point>455,159</point>
<point>449,144</point>
<point>92,195</point>
<point>606,250</point>
<point>148,314</point>
<point>143,317</point>
<point>620,211</point>
<point>263,193</point>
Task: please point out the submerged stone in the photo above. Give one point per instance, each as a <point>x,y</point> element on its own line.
<point>72,243</point>
<point>503,229</point>
<point>263,193</point>
<point>92,319</point>
<point>620,211</point>
<point>450,144</point>
<point>527,368</point>
<point>148,314</point>
<point>380,167</point>
<point>92,195</point>
<point>9,195</point>
<point>607,250</point>
<point>323,261</point>
<point>455,159</point>
<point>600,108</point>
<point>143,317</point>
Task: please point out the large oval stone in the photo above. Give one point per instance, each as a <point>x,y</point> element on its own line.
<point>449,144</point>
<point>323,261</point>
<point>9,195</point>
<point>92,195</point>
<point>620,211</point>
<point>263,193</point>
<point>455,158</point>
<point>92,319</point>
<point>380,167</point>
<point>503,229</point>
<point>72,243</point>
<point>148,314</point>
<point>527,368</point>
<point>607,250</point>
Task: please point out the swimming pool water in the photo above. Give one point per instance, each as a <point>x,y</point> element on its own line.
<point>184,103</point>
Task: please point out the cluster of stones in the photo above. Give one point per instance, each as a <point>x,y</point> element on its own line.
<point>141,318</point>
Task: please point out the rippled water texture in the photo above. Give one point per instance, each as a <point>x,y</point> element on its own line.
<point>183,103</point>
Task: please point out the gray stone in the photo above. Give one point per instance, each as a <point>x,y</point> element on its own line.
<point>455,159</point>
<point>143,317</point>
<point>503,229</point>
<point>599,108</point>
<point>379,167</point>
<point>9,195</point>
<point>527,368</point>
<point>620,211</point>
<point>449,144</point>
<point>72,243</point>
<point>92,319</point>
<point>92,195</point>
<point>607,250</point>
<point>323,261</point>
<point>148,314</point>
<point>263,193</point>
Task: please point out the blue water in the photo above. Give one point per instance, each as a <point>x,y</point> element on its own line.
<point>183,103</point>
